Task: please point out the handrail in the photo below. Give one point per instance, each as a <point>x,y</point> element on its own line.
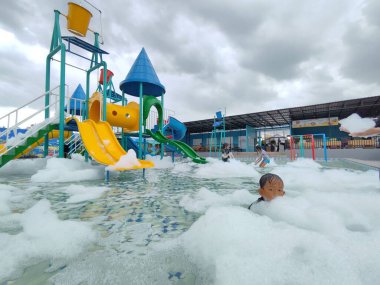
<point>18,139</point>
<point>9,128</point>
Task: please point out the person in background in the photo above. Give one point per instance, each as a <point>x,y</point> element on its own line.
<point>263,157</point>
<point>271,186</point>
<point>226,152</point>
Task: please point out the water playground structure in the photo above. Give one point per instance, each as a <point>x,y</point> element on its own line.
<point>305,141</point>
<point>96,117</point>
<point>218,134</point>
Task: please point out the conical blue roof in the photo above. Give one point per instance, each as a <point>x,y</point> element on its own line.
<point>142,71</point>
<point>76,106</point>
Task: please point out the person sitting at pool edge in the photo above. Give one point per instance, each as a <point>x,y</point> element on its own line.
<point>226,152</point>
<point>262,156</point>
<point>271,186</point>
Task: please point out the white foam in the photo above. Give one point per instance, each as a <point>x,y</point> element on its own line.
<point>325,230</point>
<point>165,162</point>
<point>126,161</point>
<point>219,169</point>
<point>68,170</point>
<point>44,236</point>
<point>354,123</point>
<point>5,196</point>
<point>23,166</point>
<point>77,156</point>
<point>204,199</point>
<point>80,193</point>
<point>182,167</point>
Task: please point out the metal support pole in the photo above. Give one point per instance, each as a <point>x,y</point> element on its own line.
<point>141,120</point>
<point>104,117</point>
<point>123,138</point>
<point>62,102</point>
<point>107,176</point>
<point>162,124</point>
<point>301,146</point>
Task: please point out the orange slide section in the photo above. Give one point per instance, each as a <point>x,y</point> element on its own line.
<point>103,146</point>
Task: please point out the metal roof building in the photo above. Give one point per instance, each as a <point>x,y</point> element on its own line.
<point>365,107</point>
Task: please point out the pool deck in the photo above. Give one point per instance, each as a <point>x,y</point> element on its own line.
<point>371,163</point>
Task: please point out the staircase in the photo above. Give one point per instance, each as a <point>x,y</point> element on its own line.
<point>28,144</point>
<point>12,148</point>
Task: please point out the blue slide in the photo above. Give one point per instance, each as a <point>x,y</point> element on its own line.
<point>131,144</point>
<point>174,128</point>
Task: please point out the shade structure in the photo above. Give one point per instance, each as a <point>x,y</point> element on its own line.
<point>77,101</point>
<point>142,71</point>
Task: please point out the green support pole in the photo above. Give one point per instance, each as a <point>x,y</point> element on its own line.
<point>55,46</point>
<point>141,120</point>
<point>324,147</point>
<point>105,92</point>
<point>62,102</point>
<point>162,124</point>
<point>88,91</point>
<point>301,146</point>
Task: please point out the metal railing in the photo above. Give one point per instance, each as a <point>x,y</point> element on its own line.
<point>16,119</point>
<point>74,144</point>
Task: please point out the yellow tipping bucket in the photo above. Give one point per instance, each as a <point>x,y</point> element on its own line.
<point>78,19</point>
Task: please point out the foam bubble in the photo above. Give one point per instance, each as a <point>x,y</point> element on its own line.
<point>67,170</point>
<point>23,166</point>
<point>324,230</point>
<point>354,123</point>
<point>43,236</point>
<point>219,169</point>
<point>80,193</point>
<point>126,161</point>
<point>205,199</point>
<point>165,162</point>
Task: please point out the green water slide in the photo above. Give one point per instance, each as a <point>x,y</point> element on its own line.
<point>30,143</point>
<point>149,102</point>
<point>184,148</point>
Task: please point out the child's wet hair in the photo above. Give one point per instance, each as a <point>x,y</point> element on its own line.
<point>269,177</point>
<point>258,147</point>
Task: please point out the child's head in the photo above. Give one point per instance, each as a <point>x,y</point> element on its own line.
<point>258,148</point>
<point>271,186</point>
<point>225,145</point>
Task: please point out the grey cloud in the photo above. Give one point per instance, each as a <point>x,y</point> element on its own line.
<point>280,42</point>
<point>362,40</point>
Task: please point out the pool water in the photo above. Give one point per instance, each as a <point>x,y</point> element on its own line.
<point>132,230</point>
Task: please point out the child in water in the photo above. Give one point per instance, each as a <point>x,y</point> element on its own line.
<point>262,156</point>
<point>226,153</point>
<point>271,186</point>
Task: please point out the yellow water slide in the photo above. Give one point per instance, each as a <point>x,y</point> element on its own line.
<point>98,136</point>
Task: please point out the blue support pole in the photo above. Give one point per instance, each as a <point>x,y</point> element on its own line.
<point>324,147</point>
